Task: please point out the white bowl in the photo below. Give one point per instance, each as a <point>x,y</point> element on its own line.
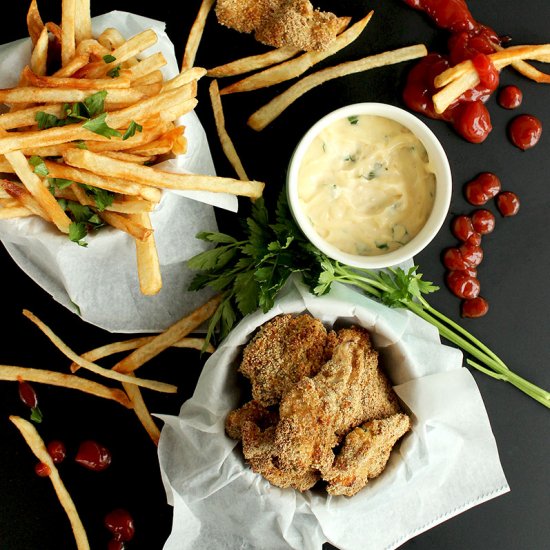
<point>438,160</point>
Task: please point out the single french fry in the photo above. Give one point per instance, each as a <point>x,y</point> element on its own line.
<point>38,190</point>
<point>76,63</point>
<point>195,34</point>
<point>34,22</point>
<point>297,66</point>
<point>148,265</point>
<point>23,196</point>
<point>254,62</point>
<point>115,185</point>
<point>27,117</point>
<point>92,49</point>
<point>269,112</point>
<point>83,21</point>
<point>74,83</point>
<point>111,38</point>
<point>121,204</point>
<point>38,447</point>
<point>107,373</point>
<point>70,381</point>
<point>147,175</point>
<point>148,65</point>
<point>128,225</point>
<point>185,77</point>
<point>149,78</point>
<point>143,414</point>
<point>166,339</point>
<point>225,140</point>
<point>39,56</point>
<point>12,212</point>
<point>68,28</point>
<point>34,94</point>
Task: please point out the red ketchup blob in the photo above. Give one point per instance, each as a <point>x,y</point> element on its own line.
<point>525,131</point>
<point>472,254</point>
<point>93,456</point>
<point>507,203</point>
<point>462,285</point>
<point>121,524</point>
<point>453,260</point>
<point>483,221</point>
<point>510,97</point>
<point>483,187</point>
<point>57,451</point>
<point>27,394</point>
<point>475,307</point>
<point>469,40</point>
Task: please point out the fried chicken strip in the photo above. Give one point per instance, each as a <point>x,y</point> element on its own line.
<point>284,350</point>
<point>364,455</point>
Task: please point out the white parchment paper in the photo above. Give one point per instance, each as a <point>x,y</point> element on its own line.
<point>448,463</point>
<point>100,282</point>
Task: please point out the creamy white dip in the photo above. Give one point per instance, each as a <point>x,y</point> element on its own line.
<point>366,185</point>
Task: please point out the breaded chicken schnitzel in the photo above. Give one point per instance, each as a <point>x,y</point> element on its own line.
<point>281,22</point>
<point>284,350</point>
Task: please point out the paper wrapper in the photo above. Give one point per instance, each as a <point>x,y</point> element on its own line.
<point>100,281</point>
<point>448,462</point>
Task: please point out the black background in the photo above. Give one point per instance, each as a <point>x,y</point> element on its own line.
<point>513,277</point>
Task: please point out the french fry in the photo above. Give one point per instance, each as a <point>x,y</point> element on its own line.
<point>195,35</point>
<point>69,381</point>
<point>27,117</point>
<point>134,229</point>
<point>22,195</point>
<point>458,79</point>
<point>107,373</point>
<point>185,77</point>
<point>38,447</point>
<point>39,56</point>
<point>111,39</point>
<point>76,63</point>
<point>297,66</point>
<point>227,144</point>
<point>39,191</point>
<point>166,339</point>
<point>151,63</point>
<point>92,49</point>
<point>34,22</point>
<point>68,24</point>
<point>148,265</point>
<point>74,83</point>
<point>33,94</point>
<point>83,21</point>
<point>12,212</point>
<point>253,62</point>
<point>269,112</point>
<point>147,175</point>
<point>143,414</point>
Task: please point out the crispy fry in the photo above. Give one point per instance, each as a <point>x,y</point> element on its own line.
<point>38,447</point>
<point>12,212</point>
<point>33,94</point>
<point>107,373</point>
<point>128,225</point>
<point>39,56</point>
<point>185,77</point>
<point>165,339</point>
<point>111,39</point>
<point>92,49</point>
<point>148,265</point>
<point>297,66</point>
<point>254,62</point>
<point>76,63</point>
<point>74,83</point>
<point>195,35</point>
<point>269,112</point>
<point>68,28</point>
<point>152,63</point>
<point>143,414</point>
<point>38,190</point>
<point>227,144</point>
<point>34,22</point>
<point>83,21</point>
<point>42,376</point>
<point>107,350</point>
<point>158,178</point>
<point>25,199</point>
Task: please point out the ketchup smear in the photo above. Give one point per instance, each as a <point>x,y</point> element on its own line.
<point>468,40</point>
<point>93,456</point>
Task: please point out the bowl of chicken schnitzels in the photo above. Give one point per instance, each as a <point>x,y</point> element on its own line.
<point>260,458</point>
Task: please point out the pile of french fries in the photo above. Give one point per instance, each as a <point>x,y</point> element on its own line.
<point>95,127</point>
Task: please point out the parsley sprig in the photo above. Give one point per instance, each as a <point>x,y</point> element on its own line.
<point>250,271</point>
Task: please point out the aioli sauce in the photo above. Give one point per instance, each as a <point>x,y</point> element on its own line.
<point>366,185</point>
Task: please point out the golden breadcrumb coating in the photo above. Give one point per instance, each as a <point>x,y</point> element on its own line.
<point>285,349</point>
<point>325,385</point>
<point>364,455</point>
<point>281,22</point>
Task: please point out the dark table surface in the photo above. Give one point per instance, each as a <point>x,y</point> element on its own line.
<point>513,276</point>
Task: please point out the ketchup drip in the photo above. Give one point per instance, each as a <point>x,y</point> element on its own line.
<point>468,40</point>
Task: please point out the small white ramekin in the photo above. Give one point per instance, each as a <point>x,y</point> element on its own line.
<point>437,157</point>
